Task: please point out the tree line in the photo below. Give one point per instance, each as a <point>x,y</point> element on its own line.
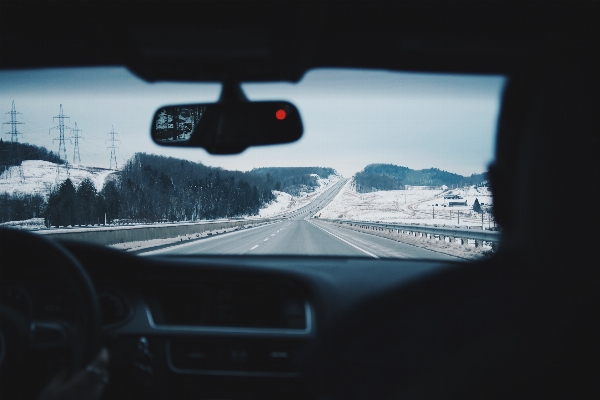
<point>393,177</point>
<point>13,153</point>
<point>293,180</point>
<point>81,205</point>
<point>19,206</point>
<point>153,188</point>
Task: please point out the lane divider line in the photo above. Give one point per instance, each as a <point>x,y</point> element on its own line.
<point>265,239</point>
<point>252,248</point>
<point>198,241</point>
<point>345,241</point>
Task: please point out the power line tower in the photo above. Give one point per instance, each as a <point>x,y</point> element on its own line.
<point>62,148</point>
<point>14,134</point>
<point>14,138</point>
<point>75,133</point>
<point>112,148</point>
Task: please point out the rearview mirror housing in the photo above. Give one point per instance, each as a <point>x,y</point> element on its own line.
<point>227,128</point>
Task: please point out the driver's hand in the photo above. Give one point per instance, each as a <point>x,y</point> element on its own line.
<point>85,384</point>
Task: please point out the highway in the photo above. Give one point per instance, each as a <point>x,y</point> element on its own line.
<point>300,234</point>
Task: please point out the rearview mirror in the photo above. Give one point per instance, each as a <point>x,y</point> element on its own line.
<point>225,128</point>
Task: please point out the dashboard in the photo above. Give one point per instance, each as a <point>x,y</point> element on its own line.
<point>222,327</point>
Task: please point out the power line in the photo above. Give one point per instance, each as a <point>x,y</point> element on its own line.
<point>14,134</point>
<point>76,157</point>
<point>62,148</point>
<point>112,147</point>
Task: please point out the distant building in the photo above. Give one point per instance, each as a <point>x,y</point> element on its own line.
<point>457,203</point>
<point>452,196</point>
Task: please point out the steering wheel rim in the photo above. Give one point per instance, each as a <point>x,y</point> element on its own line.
<point>28,257</point>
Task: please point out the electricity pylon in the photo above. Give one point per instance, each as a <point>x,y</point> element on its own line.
<point>62,148</point>
<point>75,137</point>
<point>112,147</point>
<point>14,138</point>
<point>14,134</point>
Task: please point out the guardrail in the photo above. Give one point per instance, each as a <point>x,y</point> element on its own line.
<point>121,234</point>
<point>459,235</point>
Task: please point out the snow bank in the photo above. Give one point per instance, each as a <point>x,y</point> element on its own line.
<point>33,223</point>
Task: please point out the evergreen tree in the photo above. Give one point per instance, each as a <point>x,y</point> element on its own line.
<point>86,202</point>
<point>270,180</point>
<point>61,209</point>
<point>477,206</point>
<point>19,206</point>
<point>110,200</point>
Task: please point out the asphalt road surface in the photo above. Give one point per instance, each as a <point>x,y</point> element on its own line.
<point>301,234</point>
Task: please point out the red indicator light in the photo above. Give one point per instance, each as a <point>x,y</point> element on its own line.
<point>280,114</point>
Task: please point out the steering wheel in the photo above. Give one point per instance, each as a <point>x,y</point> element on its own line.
<point>65,332</point>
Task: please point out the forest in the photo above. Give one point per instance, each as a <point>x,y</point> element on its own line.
<point>18,207</point>
<point>293,180</point>
<point>393,177</point>
<point>152,188</point>
<point>158,188</point>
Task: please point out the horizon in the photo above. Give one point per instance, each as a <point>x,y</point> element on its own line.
<point>262,167</point>
<point>352,118</point>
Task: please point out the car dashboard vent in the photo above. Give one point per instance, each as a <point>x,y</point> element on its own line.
<point>252,303</point>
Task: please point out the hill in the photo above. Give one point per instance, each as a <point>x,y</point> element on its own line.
<point>39,177</point>
<point>393,177</point>
<point>293,180</point>
<point>13,154</point>
<point>26,189</point>
<point>154,188</point>
<point>148,188</point>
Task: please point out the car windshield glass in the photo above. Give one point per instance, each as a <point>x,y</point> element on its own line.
<point>390,165</point>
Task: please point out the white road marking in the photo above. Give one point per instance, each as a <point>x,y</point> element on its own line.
<point>345,241</point>
<point>254,247</point>
<point>273,235</point>
<point>265,239</point>
<point>188,243</point>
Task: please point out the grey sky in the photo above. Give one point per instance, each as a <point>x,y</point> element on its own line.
<point>351,117</point>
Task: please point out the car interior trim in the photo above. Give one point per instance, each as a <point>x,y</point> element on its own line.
<point>211,372</point>
<point>226,329</point>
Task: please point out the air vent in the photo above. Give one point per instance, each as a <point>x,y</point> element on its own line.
<point>253,303</point>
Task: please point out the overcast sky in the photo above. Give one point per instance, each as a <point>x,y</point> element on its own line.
<point>351,117</point>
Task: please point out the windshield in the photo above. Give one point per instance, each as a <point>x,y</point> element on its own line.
<point>390,165</point>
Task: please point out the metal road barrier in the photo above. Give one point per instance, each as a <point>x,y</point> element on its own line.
<point>121,234</point>
<point>430,231</point>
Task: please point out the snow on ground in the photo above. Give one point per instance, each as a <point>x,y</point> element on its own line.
<point>39,177</point>
<point>415,205</point>
<point>278,206</point>
<point>285,203</point>
<point>33,223</point>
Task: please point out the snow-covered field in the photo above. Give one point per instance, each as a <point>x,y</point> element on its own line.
<point>415,205</point>
<point>39,177</point>
<point>285,203</point>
